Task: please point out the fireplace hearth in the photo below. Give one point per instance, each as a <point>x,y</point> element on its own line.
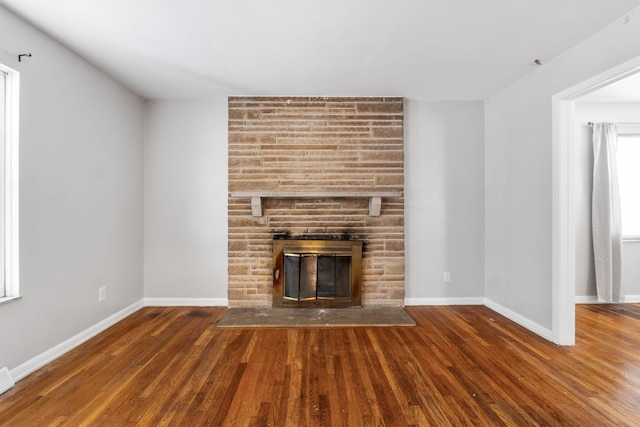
<point>316,273</point>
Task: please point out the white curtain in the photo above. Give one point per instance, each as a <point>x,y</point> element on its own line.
<point>606,222</point>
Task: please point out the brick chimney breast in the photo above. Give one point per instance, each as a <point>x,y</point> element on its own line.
<point>329,145</point>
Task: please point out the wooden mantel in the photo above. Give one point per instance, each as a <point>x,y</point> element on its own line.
<point>374,196</point>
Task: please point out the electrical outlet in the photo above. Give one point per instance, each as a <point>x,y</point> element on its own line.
<point>102,293</point>
<point>447,276</point>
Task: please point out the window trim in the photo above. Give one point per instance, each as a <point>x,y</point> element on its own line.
<point>11,182</point>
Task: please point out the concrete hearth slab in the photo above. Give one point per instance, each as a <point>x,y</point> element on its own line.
<point>315,317</point>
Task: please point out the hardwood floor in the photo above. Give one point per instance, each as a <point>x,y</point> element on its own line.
<point>463,365</point>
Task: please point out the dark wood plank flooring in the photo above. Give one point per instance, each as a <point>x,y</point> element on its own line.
<point>463,365</point>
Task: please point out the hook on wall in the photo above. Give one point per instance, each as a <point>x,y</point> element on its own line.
<point>28,55</point>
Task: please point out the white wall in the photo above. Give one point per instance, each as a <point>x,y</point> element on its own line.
<point>82,192</point>
<point>186,195</point>
<point>518,165</point>
<point>185,200</point>
<point>585,280</point>
<point>444,201</point>
<point>583,156</point>
<point>631,271</point>
<point>80,196</point>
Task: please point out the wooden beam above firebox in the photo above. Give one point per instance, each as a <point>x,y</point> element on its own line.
<point>374,196</point>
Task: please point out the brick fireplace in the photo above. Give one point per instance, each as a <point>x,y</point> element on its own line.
<point>315,168</point>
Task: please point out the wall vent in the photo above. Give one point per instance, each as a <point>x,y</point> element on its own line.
<point>6,382</point>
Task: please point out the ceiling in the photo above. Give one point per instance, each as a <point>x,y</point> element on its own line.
<point>425,49</point>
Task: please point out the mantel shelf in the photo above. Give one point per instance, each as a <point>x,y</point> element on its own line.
<point>374,196</point>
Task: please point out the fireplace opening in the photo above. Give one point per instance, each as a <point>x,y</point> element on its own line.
<point>309,277</point>
<point>316,273</point>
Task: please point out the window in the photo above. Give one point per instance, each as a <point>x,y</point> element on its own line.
<point>629,182</point>
<point>9,107</point>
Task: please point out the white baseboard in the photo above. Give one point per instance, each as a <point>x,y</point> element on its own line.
<point>186,302</point>
<point>37,362</point>
<point>500,309</point>
<point>592,299</point>
<point>53,353</point>
<point>520,320</point>
<point>444,301</point>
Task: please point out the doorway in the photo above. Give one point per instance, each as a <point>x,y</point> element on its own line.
<point>564,194</point>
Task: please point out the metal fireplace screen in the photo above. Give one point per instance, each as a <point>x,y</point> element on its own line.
<point>316,273</point>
